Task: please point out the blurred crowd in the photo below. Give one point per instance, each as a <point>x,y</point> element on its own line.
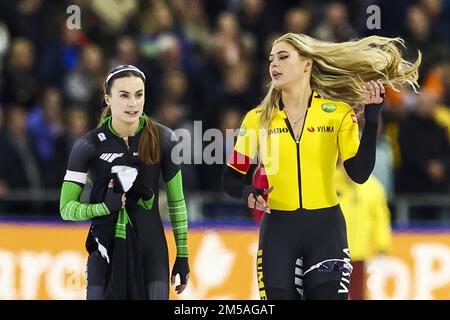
<point>205,61</point>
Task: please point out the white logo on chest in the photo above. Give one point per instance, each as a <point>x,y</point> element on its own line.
<point>110,157</point>
<point>101,136</point>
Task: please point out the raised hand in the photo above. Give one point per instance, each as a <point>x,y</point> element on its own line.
<point>374,92</point>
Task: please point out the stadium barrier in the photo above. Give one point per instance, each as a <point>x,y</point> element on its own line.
<point>47,261</point>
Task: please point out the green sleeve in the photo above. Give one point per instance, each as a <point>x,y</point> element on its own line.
<point>70,207</point>
<point>178,213</point>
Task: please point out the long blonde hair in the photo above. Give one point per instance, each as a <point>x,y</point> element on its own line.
<point>340,70</point>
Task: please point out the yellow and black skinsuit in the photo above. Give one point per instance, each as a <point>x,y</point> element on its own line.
<point>305,226</point>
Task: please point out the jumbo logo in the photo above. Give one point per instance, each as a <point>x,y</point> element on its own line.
<point>278,130</point>
<point>328,107</point>
<point>242,130</point>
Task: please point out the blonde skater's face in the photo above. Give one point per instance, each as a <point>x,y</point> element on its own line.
<point>287,67</point>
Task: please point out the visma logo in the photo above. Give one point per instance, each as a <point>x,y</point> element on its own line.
<point>325,129</point>
<point>345,280</point>
<point>110,157</point>
<point>328,129</point>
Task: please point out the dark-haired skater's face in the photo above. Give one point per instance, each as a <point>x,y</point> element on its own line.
<point>127,99</point>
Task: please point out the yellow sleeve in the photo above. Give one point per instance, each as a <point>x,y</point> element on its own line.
<point>348,137</point>
<point>246,145</point>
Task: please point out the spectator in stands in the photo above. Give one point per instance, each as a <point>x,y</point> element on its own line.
<point>253,18</point>
<point>19,158</point>
<point>237,87</point>
<point>367,218</point>
<point>20,167</point>
<point>438,12</point>
<point>175,85</point>
<point>297,20</point>
<point>61,51</point>
<point>114,14</point>
<point>45,124</point>
<point>228,123</point>
<point>31,13</point>
<point>173,115</point>
<point>83,86</point>
<point>158,31</point>
<point>425,154</point>
<point>228,119</point>
<point>77,124</point>
<point>420,35</point>
<point>162,44</point>
<point>384,162</point>
<point>126,51</point>
<point>72,43</point>
<point>335,27</point>
<point>195,24</point>
<point>20,84</point>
